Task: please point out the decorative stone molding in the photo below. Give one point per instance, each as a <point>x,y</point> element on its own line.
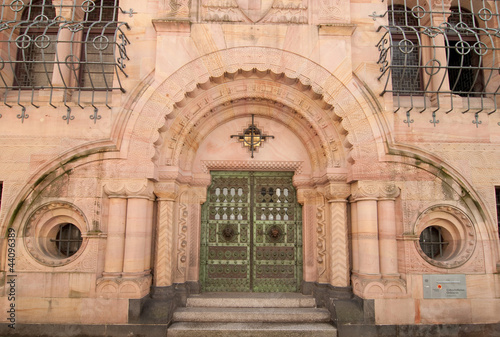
<point>172,26</point>
<point>291,11</point>
<point>339,244</point>
<point>164,241</point>
<point>123,287</point>
<point>129,189</point>
<point>295,166</point>
<point>338,29</point>
<point>374,190</point>
<point>271,11</point>
<point>179,8</point>
<point>221,11</point>
<point>321,243</point>
<point>182,233</point>
<point>457,229</point>
<point>379,288</point>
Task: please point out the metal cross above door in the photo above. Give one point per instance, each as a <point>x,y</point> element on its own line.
<point>251,233</point>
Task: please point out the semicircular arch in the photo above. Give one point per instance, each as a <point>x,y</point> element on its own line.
<point>347,101</point>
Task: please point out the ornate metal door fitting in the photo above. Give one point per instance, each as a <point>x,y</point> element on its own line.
<point>251,233</point>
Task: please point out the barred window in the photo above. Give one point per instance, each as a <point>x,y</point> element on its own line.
<point>406,74</point>
<point>432,242</point>
<point>36,45</point>
<point>441,51</point>
<point>465,75</point>
<point>70,45</point>
<point>68,240</point>
<point>98,50</point>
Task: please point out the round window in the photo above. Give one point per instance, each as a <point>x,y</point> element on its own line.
<point>53,234</point>
<point>447,237</point>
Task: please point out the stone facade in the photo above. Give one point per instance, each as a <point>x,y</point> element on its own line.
<point>133,180</point>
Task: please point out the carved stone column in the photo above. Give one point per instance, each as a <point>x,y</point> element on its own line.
<point>387,239</point>
<point>164,246</point>
<point>354,237</point>
<point>135,237</point>
<point>307,197</point>
<point>149,236</point>
<point>113,262</point>
<point>367,236</point>
<point>337,232</point>
<point>127,273</point>
<point>375,236</point>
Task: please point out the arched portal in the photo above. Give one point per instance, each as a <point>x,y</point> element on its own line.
<point>309,143</point>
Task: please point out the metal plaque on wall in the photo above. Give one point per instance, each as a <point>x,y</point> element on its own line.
<point>444,286</point>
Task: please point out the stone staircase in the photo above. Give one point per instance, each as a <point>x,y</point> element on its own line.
<point>251,314</point>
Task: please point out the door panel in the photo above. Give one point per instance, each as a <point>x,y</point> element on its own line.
<point>251,233</point>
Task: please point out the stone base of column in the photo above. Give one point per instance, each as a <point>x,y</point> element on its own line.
<point>124,287</point>
<point>371,287</point>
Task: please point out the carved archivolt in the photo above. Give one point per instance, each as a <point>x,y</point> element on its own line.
<point>290,102</point>
<point>347,117</point>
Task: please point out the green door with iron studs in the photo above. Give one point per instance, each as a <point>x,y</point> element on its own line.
<point>251,233</point>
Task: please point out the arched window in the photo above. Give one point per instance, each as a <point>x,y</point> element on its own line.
<point>36,45</point>
<point>464,51</point>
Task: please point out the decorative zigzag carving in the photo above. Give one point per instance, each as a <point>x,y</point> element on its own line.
<point>339,263</point>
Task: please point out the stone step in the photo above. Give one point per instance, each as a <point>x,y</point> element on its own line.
<point>262,315</point>
<point>196,329</point>
<point>251,300</point>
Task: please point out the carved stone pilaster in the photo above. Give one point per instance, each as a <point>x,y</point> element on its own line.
<point>339,243</point>
<point>164,243</point>
<point>167,193</point>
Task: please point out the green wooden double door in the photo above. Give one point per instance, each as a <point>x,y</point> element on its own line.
<point>251,233</point>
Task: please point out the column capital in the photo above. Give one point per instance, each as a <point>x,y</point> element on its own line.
<point>337,191</point>
<point>129,189</point>
<point>167,190</point>
<point>374,190</point>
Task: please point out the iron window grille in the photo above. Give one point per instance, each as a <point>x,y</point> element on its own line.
<point>68,240</point>
<point>453,51</point>
<point>465,75</point>
<point>432,243</point>
<point>406,73</point>
<point>35,43</point>
<point>72,46</point>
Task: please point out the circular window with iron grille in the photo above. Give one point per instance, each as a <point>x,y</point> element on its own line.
<point>446,236</point>
<point>53,234</point>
